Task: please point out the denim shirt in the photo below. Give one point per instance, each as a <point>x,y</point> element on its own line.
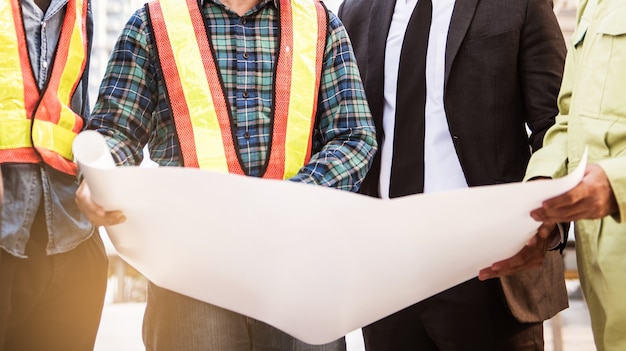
<point>27,185</point>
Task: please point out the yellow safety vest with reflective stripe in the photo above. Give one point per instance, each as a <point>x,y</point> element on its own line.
<point>198,101</point>
<point>39,126</point>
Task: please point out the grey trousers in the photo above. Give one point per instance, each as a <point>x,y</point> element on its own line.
<point>176,322</point>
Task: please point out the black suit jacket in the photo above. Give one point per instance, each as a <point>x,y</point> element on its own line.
<point>503,68</point>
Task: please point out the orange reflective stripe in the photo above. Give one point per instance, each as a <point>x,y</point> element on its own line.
<point>299,68</point>
<point>198,102</point>
<point>173,84</point>
<point>282,92</point>
<point>69,64</point>
<point>54,125</point>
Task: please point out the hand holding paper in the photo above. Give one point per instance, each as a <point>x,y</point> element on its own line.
<point>530,256</point>
<point>533,253</point>
<point>94,212</point>
<point>592,198</point>
<point>96,153</point>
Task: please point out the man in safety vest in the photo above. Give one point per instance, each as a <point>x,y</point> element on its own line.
<point>263,88</point>
<point>53,267</point>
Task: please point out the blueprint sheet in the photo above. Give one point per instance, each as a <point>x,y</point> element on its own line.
<point>314,262</point>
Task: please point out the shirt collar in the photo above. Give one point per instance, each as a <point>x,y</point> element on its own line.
<point>262,3</point>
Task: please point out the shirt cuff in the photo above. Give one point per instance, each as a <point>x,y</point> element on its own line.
<point>557,237</point>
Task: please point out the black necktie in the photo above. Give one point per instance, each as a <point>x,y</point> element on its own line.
<point>407,167</point>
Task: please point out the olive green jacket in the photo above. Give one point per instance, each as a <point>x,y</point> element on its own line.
<point>592,101</point>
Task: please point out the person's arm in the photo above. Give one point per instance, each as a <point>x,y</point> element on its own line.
<point>128,94</point>
<point>541,62</point>
<point>344,141</point>
<point>123,110</point>
<point>551,160</point>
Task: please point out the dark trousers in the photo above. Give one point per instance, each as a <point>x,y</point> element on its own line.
<point>52,302</point>
<point>470,316</point>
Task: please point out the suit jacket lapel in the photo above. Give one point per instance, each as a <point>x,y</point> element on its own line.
<point>380,21</point>
<point>461,19</point>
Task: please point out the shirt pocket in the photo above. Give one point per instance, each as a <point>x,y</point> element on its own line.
<point>613,45</point>
<point>506,40</point>
<point>602,134</point>
<point>614,24</point>
<point>601,69</point>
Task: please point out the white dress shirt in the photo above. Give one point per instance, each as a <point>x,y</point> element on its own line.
<point>442,170</point>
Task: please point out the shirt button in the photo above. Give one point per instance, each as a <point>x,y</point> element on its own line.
<point>246,135</point>
<point>245,55</point>
<point>45,64</point>
<point>243,20</point>
<point>43,25</point>
<point>245,94</point>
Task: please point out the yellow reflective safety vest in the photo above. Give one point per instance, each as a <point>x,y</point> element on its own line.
<point>39,126</point>
<point>198,102</point>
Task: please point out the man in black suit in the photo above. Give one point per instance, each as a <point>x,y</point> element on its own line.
<point>492,67</point>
